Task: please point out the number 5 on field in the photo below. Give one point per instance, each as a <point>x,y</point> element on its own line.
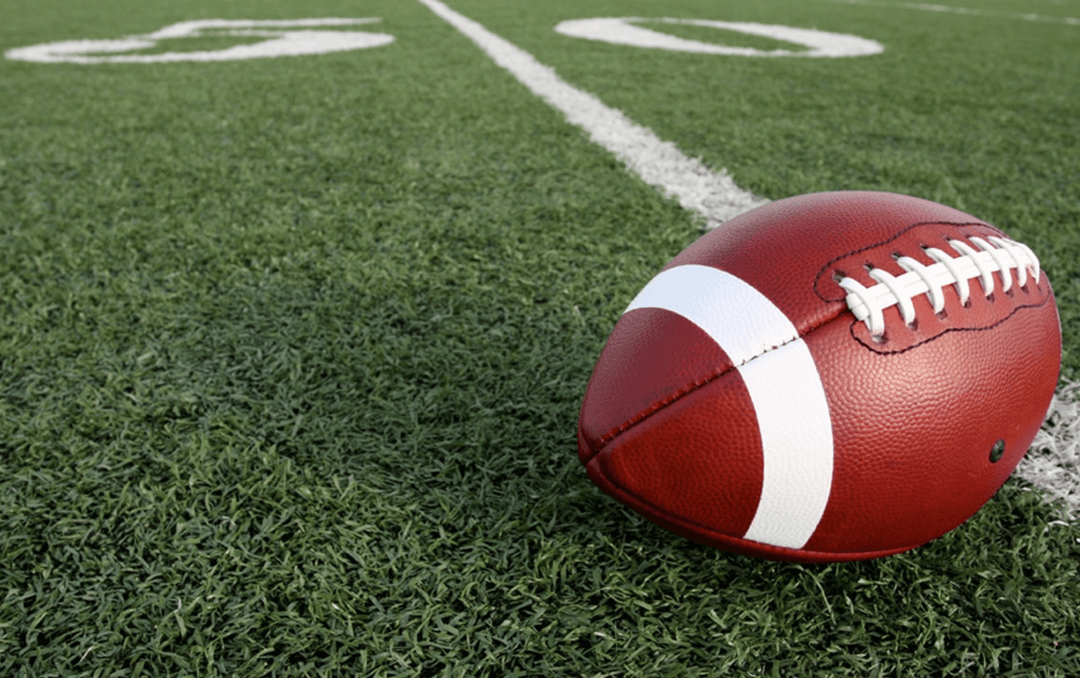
<point>282,39</point>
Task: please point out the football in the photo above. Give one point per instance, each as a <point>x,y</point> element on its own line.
<point>830,377</point>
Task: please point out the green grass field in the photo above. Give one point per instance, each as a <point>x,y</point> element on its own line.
<point>292,349</point>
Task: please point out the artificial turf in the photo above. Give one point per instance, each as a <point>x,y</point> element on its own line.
<point>291,350</point>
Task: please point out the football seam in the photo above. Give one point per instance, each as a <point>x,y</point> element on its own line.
<point>668,400</point>
<point>686,390</point>
<point>704,530</point>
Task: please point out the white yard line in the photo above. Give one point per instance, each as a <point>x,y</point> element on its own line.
<point>712,194</point>
<point>946,9</point>
<point>1053,465</point>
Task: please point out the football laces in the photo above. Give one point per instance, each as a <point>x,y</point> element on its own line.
<point>981,262</point>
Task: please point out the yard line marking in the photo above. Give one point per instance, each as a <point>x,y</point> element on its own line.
<point>1053,462</point>
<point>971,12</point>
<point>712,194</point>
<point>716,197</point>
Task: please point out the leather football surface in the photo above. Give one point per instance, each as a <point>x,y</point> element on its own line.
<point>830,377</point>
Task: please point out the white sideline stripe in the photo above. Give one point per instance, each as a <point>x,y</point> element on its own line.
<point>713,195</point>
<point>945,9</point>
<point>784,385</point>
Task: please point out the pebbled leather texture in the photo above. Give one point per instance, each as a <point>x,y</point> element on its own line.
<point>667,427</point>
<point>661,357</point>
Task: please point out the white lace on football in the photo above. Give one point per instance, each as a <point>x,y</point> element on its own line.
<point>868,303</point>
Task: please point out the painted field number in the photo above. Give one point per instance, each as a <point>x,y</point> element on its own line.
<point>282,38</point>
<point>299,37</point>
<point>628,31</point>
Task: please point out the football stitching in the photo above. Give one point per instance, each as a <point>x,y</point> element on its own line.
<point>876,347</point>
<point>696,385</point>
<point>920,280</point>
<point>702,383</point>
<point>825,270</point>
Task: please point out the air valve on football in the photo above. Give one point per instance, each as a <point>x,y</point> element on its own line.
<point>835,376</point>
